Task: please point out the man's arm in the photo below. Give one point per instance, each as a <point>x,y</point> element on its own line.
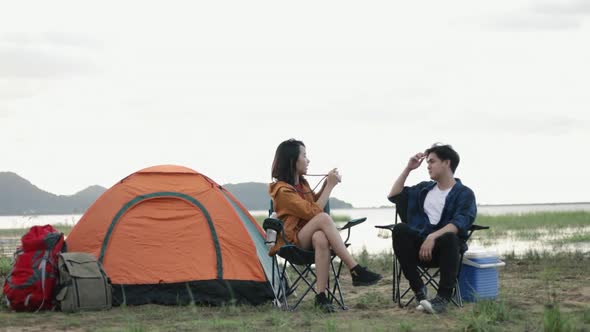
<point>414,162</point>
<point>425,253</point>
<point>466,212</point>
<point>462,219</point>
<point>398,185</point>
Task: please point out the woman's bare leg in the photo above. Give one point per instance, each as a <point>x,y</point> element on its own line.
<point>321,248</point>
<point>323,222</point>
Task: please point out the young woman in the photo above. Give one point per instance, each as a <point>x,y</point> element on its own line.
<point>304,222</point>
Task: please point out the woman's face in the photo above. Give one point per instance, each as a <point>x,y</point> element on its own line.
<point>302,162</point>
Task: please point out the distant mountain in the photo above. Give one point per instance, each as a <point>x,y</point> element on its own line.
<point>254,196</point>
<point>20,197</point>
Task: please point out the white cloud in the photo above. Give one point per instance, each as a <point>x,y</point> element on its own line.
<point>41,63</point>
<point>51,39</point>
<point>90,96</point>
<point>527,22</point>
<point>562,7</point>
<point>558,15</point>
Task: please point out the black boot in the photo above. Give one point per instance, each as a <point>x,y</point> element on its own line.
<point>363,277</point>
<point>322,303</point>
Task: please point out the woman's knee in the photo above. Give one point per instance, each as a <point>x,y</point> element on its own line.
<point>324,219</point>
<point>319,240</point>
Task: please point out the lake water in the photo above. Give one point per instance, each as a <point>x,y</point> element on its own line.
<point>366,235</point>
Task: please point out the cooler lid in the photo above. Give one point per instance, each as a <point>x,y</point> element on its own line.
<point>480,253</point>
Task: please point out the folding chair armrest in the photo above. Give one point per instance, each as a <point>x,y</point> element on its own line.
<point>353,223</point>
<point>478,227</point>
<point>272,223</point>
<point>349,225</point>
<point>389,227</point>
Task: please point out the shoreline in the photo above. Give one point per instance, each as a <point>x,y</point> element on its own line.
<point>481,205</point>
<point>383,207</point>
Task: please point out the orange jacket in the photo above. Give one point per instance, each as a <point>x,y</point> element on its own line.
<point>293,210</point>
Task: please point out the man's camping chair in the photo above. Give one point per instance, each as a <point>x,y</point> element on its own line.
<point>428,271</point>
<point>300,262</point>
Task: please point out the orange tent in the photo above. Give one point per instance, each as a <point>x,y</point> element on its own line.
<point>170,235</point>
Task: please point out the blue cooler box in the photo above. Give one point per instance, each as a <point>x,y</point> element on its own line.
<point>478,279</point>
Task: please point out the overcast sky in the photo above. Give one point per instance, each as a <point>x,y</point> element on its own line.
<point>91,92</point>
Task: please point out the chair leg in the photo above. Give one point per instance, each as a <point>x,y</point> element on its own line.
<point>302,277</point>
<point>305,274</point>
<point>289,289</point>
<point>456,298</point>
<point>280,293</point>
<point>336,289</point>
<point>336,275</point>
<point>401,303</point>
<point>429,280</point>
<point>394,282</point>
<point>334,293</point>
<point>397,280</point>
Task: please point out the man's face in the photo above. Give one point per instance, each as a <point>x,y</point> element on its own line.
<point>436,167</point>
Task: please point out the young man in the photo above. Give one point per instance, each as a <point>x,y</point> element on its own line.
<point>438,214</point>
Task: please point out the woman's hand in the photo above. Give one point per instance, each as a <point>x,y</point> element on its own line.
<point>333,177</point>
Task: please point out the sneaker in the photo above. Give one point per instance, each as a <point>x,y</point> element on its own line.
<point>323,304</point>
<point>363,277</point>
<point>421,295</point>
<point>438,305</point>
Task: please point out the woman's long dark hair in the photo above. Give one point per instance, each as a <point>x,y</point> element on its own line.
<point>283,166</point>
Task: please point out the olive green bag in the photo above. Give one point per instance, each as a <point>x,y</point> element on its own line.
<point>83,284</point>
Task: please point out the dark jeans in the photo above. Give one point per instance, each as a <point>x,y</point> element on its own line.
<point>445,254</point>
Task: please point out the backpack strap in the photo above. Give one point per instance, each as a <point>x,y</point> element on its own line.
<point>43,267</point>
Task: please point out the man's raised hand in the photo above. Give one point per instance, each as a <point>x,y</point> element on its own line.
<point>416,160</point>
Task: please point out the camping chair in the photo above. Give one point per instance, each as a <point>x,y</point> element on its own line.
<point>300,261</point>
<point>428,271</point>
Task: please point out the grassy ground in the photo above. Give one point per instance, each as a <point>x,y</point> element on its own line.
<point>537,292</point>
<point>547,220</point>
<point>531,222</point>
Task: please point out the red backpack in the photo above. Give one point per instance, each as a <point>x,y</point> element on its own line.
<point>29,285</point>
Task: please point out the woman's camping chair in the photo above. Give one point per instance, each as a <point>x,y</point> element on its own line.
<point>428,272</point>
<point>298,263</point>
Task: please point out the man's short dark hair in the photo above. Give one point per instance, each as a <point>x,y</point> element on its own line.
<point>445,152</point>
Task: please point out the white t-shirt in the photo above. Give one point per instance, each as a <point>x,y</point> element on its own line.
<point>435,203</point>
